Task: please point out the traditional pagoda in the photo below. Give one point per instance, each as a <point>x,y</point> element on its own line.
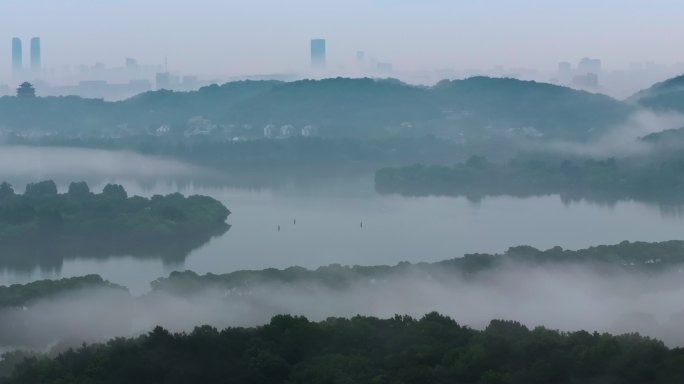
<point>26,91</point>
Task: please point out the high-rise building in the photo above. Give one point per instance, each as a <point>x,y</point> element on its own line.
<point>385,68</point>
<point>163,80</point>
<point>588,65</point>
<point>318,59</point>
<point>589,81</point>
<point>564,67</point>
<point>132,64</point>
<point>17,55</point>
<point>132,68</point>
<point>360,58</point>
<point>168,81</point>
<point>35,55</point>
<point>564,72</point>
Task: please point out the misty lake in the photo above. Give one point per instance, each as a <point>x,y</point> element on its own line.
<point>328,230</point>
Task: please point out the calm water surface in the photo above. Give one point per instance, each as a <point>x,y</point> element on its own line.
<point>328,230</point>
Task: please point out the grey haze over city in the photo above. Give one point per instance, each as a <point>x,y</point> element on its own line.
<point>421,42</point>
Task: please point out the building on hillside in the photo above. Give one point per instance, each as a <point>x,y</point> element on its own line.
<point>269,130</point>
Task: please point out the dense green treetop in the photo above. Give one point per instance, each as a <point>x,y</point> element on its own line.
<point>42,213</point>
<point>402,349</point>
<point>433,349</point>
<point>22,294</point>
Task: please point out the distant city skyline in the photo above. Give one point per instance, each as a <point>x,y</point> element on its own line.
<point>562,42</point>
<point>271,36</point>
<point>99,80</point>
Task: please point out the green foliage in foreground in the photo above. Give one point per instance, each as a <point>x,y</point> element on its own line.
<point>19,295</point>
<point>42,214</point>
<point>592,179</point>
<point>637,257</point>
<point>434,349</point>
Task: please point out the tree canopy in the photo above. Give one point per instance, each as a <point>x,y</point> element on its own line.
<point>20,295</point>
<point>433,349</point>
<point>573,178</point>
<point>43,227</point>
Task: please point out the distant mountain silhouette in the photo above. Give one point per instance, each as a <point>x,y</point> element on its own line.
<point>667,136</point>
<point>667,95</point>
<point>340,107</point>
<point>667,144</point>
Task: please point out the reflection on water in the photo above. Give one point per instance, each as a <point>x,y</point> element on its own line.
<point>327,230</point>
<point>49,256</point>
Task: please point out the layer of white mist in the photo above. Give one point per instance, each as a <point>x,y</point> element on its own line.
<point>622,140</point>
<point>39,163</point>
<point>567,299</point>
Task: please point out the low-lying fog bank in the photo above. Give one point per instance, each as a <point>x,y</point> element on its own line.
<point>25,163</point>
<point>564,296</point>
<point>571,298</point>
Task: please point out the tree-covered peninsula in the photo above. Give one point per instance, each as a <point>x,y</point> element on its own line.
<point>627,258</point>
<point>611,179</point>
<point>80,221</point>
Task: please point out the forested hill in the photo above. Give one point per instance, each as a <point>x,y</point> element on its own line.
<point>434,349</point>
<point>329,108</point>
<point>667,95</point>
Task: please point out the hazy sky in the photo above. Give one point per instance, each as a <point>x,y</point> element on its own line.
<point>230,37</point>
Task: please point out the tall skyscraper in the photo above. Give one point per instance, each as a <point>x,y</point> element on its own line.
<point>17,61</point>
<point>385,68</point>
<point>588,65</point>
<point>318,59</point>
<point>360,58</point>
<point>564,67</point>
<point>133,68</point>
<point>132,64</point>
<point>35,55</point>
